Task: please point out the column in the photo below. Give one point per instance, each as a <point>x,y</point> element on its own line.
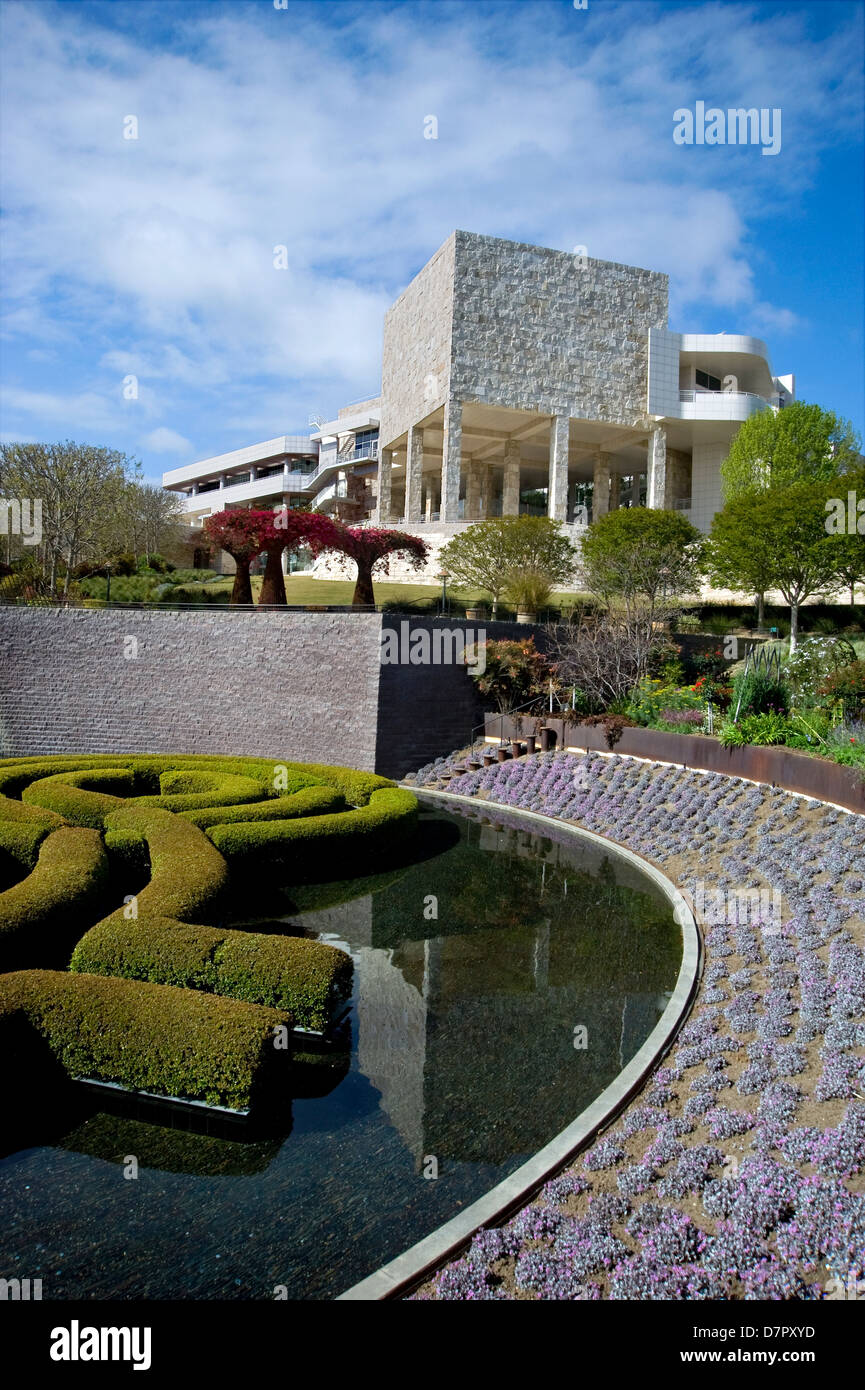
<point>487,487</point>
<point>382,511</point>
<point>451,460</point>
<point>601,490</point>
<point>558,483</point>
<point>473,490</point>
<point>413,475</point>
<point>656,468</point>
<point>511,489</point>
<point>615,487</point>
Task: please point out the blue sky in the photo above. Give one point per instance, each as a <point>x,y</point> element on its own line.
<point>304,127</point>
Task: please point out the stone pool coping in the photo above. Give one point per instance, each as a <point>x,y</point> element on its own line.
<point>409,1268</point>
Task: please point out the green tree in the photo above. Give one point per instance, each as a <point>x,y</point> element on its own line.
<point>643,557</point>
<point>782,537</point>
<point>490,555</point>
<point>80,486</point>
<point>845,523</point>
<point>801,443</point>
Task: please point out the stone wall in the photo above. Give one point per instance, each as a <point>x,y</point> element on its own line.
<point>304,686</point>
<point>532,330</point>
<point>416,347</point>
<point>299,685</point>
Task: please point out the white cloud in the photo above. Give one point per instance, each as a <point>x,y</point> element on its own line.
<point>165,441</point>
<point>155,256</point>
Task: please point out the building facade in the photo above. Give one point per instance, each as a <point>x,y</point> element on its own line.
<point>516,379</point>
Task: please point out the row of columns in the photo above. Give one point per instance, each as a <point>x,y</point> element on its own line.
<point>420,499</point>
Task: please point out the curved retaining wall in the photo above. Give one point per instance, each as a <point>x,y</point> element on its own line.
<point>403,1273</point>
<point>779,767</point>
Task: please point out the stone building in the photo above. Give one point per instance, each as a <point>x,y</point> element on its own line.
<point>520,379</point>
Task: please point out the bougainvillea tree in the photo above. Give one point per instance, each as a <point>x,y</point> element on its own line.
<point>245,534</point>
<point>292,529</point>
<point>236,532</point>
<point>367,545</point>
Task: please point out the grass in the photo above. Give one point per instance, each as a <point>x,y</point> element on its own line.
<point>302,589</point>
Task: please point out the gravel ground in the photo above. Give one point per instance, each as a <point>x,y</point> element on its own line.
<point>737,1172</point>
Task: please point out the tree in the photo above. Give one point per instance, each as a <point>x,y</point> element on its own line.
<point>845,523</point>
<point>490,555</point>
<point>80,488</point>
<point>642,558</point>
<point>781,534</point>
<point>293,528</point>
<point>801,443</point>
<point>237,532</point>
<point>367,546</point>
<point>245,534</point>
<point>604,654</point>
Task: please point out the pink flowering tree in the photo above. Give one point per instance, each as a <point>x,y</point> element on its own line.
<point>370,545</point>
<point>292,529</point>
<point>237,533</point>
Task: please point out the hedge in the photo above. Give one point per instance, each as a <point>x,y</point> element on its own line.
<point>51,903</point>
<point>146,1037</point>
<point>305,979</point>
<point>316,843</point>
<point>187,873</point>
<point>301,803</point>
<point>68,794</point>
<point>224,790</point>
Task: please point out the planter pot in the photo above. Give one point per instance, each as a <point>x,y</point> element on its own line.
<point>503,755</point>
<point>517,748</point>
<point>531,743</point>
<point>476,615</point>
<point>524,615</point>
<point>548,740</point>
<point>488,759</point>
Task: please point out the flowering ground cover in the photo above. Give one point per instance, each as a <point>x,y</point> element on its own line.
<point>738,1172</point>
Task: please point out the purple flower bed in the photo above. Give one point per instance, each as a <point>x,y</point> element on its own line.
<point>779,1217</point>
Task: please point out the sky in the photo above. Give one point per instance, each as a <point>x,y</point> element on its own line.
<point>256,127</point>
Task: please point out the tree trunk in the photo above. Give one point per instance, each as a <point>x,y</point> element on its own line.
<point>363,593</point>
<point>761,612</point>
<point>242,589</point>
<point>273,584</point>
<point>794,626</point>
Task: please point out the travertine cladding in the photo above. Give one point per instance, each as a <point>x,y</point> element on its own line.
<point>300,685</point>
<point>533,331</point>
<point>436,534</point>
<point>416,348</point>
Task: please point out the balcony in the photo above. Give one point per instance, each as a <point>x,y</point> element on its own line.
<point>721,405</point>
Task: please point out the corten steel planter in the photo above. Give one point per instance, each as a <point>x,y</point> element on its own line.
<point>548,740</point>
<point>531,743</point>
<point>517,748</point>
<point>488,760</point>
<point>503,755</point>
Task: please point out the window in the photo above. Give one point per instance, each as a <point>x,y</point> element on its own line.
<point>710,383</point>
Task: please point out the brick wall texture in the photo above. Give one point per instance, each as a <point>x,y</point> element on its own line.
<point>305,686</point>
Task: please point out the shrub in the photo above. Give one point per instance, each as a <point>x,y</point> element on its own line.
<point>49,906</point>
<point>651,698</point>
<point>613,726</point>
<point>187,791</point>
<point>305,979</point>
<point>73,795</point>
<point>309,801</point>
<point>846,685</point>
<point>319,844</point>
<point>759,692</point>
<point>186,872</point>
<point>512,673</point>
<point>759,729</point>
<point>148,1037</point>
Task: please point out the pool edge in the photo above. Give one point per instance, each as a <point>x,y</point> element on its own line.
<point>408,1269</point>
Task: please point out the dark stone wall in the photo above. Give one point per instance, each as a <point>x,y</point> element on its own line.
<point>305,686</point>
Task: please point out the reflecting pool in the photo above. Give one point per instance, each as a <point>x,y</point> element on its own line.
<point>477,966</point>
